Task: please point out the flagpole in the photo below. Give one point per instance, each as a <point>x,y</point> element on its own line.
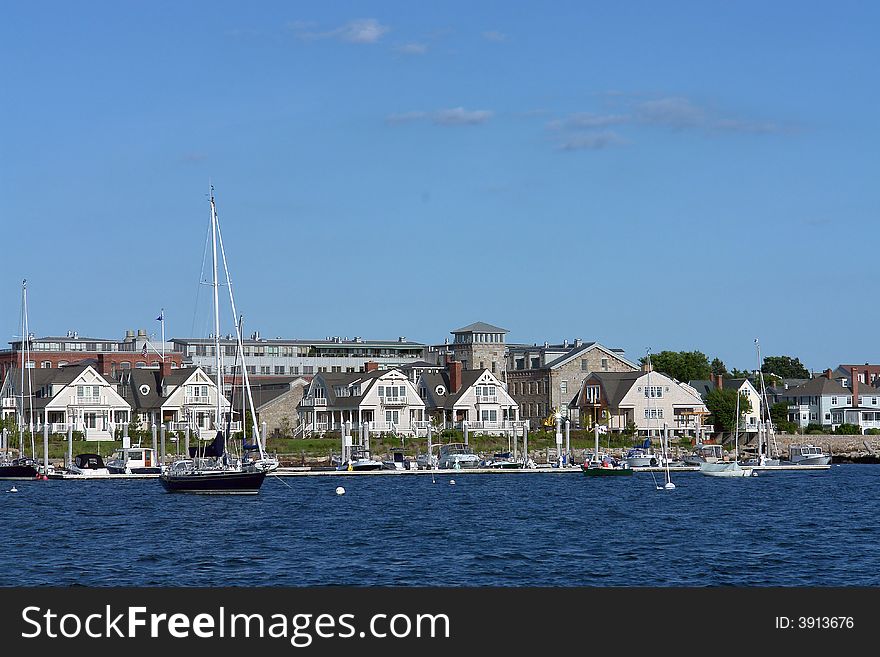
<point>162,315</point>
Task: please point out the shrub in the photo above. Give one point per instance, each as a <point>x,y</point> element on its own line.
<point>848,429</point>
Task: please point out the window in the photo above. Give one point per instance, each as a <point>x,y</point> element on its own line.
<point>252,369</point>
<point>585,367</point>
<point>563,387</point>
<point>229,350</point>
<point>381,391</point>
<point>493,367</point>
<point>536,363</point>
<point>653,391</point>
<point>264,369</point>
<point>307,369</point>
<point>834,400</point>
<point>336,368</point>
<point>47,364</point>
<point>279,369</point>
<point>520,363</point>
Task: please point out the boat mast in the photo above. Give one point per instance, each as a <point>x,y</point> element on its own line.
<point>215,289</point>
<point>736,431</point>
<point>25,370</point>
<point>768,423</point>
<point>244,372</point>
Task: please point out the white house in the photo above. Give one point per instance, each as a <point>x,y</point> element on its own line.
<point>751,418</point>
<point>74,396</point>
<point>387,399</point>
<point>178,398</point>
<point>478,397</point>
<point>649,400</point>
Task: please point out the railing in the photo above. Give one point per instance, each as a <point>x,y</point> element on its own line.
<point>196,399</point>
<point>314,401</point>
<point>90,400</point>
<point>487,399</point>
<point>8,402</point>
<point>393,401</point>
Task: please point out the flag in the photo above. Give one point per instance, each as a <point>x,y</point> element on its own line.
<point>144,352</point>
<point>161,316</point>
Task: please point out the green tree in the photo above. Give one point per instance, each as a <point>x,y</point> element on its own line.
<point>779,413</point>
<point>718,367</point>
<point>740,374</point>
<point>722,404</point>
<point>785,366</point>
<point>681,365</point>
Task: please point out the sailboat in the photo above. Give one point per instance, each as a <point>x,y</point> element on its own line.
<point>729,468</point>
<point>23,467</point>
<point>213,469</point>
<point>664,444</point>
<point>764,456</point>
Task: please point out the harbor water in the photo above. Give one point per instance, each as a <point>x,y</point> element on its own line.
<point>777,529</point>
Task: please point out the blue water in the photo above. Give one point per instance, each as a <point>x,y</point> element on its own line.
<point>779,529</point>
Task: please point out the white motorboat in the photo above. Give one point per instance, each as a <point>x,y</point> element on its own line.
<point>642,456</point>
<point>455,456</point>
<point>808,455</point>
<point>705,454</point>
<point>134,460</point>
<point>88,465</point>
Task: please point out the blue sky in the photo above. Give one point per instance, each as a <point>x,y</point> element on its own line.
<point>684,175</point>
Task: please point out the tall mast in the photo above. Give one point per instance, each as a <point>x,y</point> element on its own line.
<point>215,283</point>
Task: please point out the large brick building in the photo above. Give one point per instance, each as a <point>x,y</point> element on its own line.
<point>133,351</point>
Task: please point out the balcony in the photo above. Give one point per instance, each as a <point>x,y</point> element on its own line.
<point>314,401</point>
<point>394,401</point>
<point>483,399</point>
<point>91,400</point>
<point>196,400</point>
<point>9,402</point>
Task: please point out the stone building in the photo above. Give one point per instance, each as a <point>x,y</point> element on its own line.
<point>543,378</point>
<point>480,346</point>
<point>276,403</point>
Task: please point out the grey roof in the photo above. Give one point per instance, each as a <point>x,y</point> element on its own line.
<point>284,341</point>
<point>614,385</point>
<point>480,327</point>
<point>420,364</point>
<point>573,351</point>
<point>447,401</point>
<point>816,388</point>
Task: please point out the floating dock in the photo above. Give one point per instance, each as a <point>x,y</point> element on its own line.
<point>308,472</point>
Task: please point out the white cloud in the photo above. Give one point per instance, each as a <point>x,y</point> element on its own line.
<point>593,141</point>
<point>360,30</point>
<point>461,116</point>
<point>412,48</point>
<point>446,117</point>
<point>494,35</point>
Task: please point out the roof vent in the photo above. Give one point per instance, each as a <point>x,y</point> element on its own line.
<point>402,338</point>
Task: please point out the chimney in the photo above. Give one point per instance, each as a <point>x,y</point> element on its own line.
<point>646,367</point>
<point>719,381</point>
<point>855,387</point>
<point>103,366</point>
<point>371,366</point>
<point>165,368</point>
<point>828,373</point>
<point>454,368</point>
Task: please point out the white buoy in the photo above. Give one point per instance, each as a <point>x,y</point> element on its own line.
<point>452,482</point>
<point>669,486</point>
<point>340,490</point>
<point>13,490</point>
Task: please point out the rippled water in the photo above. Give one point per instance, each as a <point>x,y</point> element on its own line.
<point>779,529</point>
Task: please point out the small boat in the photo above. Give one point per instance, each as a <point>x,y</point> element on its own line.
<point>398,460</point>
<point>212,477</point>
<point>360,461</point>
<point>134,460</point>
<point>22,468</point>
<point>807,455</point>
<point>726,469</point>
<point>642,456</point>
<point>603,465</point>
<point>606,466</point>
<point>705,454</point>
<point>87,465</point>
<point>503,461</point>
<point>455,456</point>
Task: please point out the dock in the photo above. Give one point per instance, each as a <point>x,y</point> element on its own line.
<point>309,472</point>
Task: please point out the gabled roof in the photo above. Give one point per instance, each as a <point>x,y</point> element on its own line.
<point>816,388</point>
<point>587,346</point>
<point>448,401</point>
<point>614,385</point>
<point>480,327</point>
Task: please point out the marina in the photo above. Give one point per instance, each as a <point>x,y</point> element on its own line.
<point>378,472</point>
